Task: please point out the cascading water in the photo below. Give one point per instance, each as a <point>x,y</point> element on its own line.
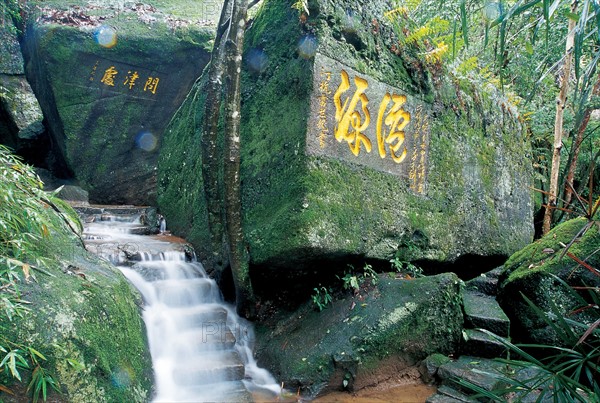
<point>201,349</point>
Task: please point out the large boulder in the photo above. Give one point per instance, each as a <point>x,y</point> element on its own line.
<point>20,113</point>
<point>364,340</point>
<point>109,78</point>
<point>543,273</point>
<point>321,180</point>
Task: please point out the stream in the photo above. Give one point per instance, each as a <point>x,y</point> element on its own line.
<point>201,349</point>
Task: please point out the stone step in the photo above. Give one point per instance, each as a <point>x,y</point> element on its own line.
<point>222,392</point>
<point>211,368</point>
<point>450,395</point>
<point>483,311</point>
<point>94,209</point>
<point>185,293</point>
<point>155,270</point>
<point>479,344</point>
<point>202,316</point>
<point>210,337</point>
<point>486,283</point>
<point>492,376</point>
<point>478,371</point>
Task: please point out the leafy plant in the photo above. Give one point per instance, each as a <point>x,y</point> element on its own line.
<point>406,268</point>
<point>321,297</point>
<point>353,281</point>
<point>28,216</point>
<point>350,282</point>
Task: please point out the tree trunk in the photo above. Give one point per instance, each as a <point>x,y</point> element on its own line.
<point>558,124</point>
<point>238,254</point>
<point>577,147</point>
<point>211,163</point>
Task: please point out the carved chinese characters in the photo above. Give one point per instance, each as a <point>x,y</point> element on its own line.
<point>358,119</point>
<point>117,78</point>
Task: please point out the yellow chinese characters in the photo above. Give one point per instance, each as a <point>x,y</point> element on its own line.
<point>151,84</point>
<point>350,125</point>
<point>109,76</point>
<point>325,92</point>
<point>131,78</point>
<point>395,120</point>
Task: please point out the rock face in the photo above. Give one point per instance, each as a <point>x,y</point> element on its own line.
<point>109,79</point>
<point>537,271</point>
<point>354,343</point>
<point>20,114</point>
<point>84,317</point>
<point>346,151</point>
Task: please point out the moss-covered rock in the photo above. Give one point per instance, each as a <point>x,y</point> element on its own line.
<point>109,79</point>
<point>360,341</point>
<point>85,319</point>
<point>531,273</point>
<point>461,189</point>
<point>20,113</point>
<point>82,314</point>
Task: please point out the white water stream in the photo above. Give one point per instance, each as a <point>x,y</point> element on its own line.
<point>201,349</point>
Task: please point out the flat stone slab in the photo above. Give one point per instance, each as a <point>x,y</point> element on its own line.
<point>480,344</point>
<point>483,311</point>
<point>447,394</point>
<point>474,370</point>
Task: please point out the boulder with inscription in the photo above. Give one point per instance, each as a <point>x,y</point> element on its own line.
<point>349,150</point>
<point>109,78</point>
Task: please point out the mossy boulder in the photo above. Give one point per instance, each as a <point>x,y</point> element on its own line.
<point>544,275</point>
<point>109,78</point>
<point>461,187</point>
<point>357,341</point>
<point>85,318</point>
<point>20,114</point>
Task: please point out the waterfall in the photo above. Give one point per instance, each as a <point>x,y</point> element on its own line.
<point>201,349</point>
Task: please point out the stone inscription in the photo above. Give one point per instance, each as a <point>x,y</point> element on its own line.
<point>358,119</point>
<point>124,77</point>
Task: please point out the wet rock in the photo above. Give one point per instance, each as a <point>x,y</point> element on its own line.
<point>429,366</point>
<point>74,194</point>
<point>482,311</point>
<point>480,344</point>
<point>478,371</point>
<point>531,273</point>
<point>486,283</point>
<point>446,394</point>
<point>354,343</point>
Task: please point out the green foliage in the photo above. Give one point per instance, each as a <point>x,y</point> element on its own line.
<point>353,281</point>
<point>25,221</point>
<point>321,298</point>
<point>406,268</point>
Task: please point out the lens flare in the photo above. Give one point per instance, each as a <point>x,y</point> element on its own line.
<point>106,36</point>
<point>307,47</point>
<point>123,377</point>
<point>146,141</point>
<point>257,60</point>
<point>492,10</point>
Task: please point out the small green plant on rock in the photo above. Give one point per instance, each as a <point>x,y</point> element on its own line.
<point>406,268</point>
<point>353,281</point>
<point>321,297</point>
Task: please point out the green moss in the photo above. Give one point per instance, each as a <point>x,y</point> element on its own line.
<point>538,257</point>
